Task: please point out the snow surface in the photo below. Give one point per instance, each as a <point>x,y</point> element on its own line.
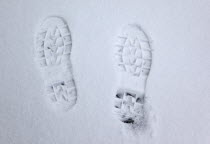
<point>52,56</point>
<point>178,84</point>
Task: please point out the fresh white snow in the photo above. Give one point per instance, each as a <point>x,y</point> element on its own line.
<point>177,87</point>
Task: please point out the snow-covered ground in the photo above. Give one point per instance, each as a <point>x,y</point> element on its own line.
<point>178,86</point>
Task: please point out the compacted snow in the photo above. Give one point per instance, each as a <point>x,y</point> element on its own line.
<point>52,56</point>
<point>133,59</point>
<point>171,107</point>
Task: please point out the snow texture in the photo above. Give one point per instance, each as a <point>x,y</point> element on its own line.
<point>52,56</point>
<point>133,59</point>
<point>177,86</point>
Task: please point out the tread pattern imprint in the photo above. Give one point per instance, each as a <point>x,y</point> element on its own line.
<point>133,56</point>
<point>53,49</point>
